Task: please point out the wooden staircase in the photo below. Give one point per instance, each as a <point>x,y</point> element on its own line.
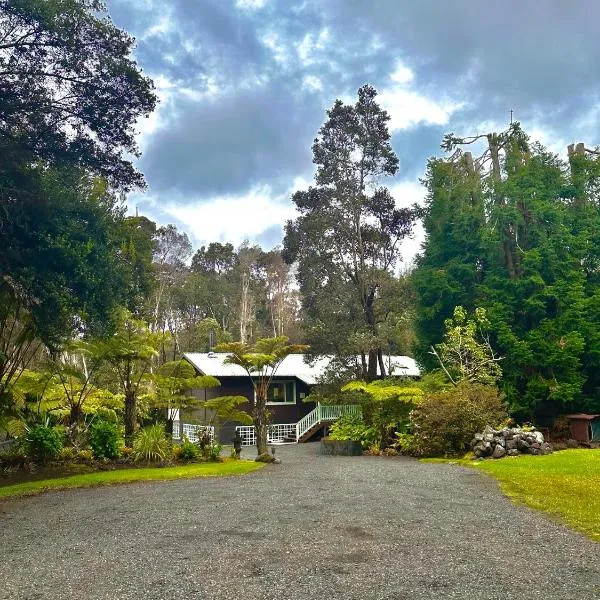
<point>320,417</point>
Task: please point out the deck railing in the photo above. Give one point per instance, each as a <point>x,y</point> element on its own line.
<point>329,412</point>
<point>192,432</point>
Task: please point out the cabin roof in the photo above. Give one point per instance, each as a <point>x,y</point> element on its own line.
<point>213,363</point>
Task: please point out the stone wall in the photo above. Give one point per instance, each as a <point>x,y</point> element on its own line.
<point>510,441</point>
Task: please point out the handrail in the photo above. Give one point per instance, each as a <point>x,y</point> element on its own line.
<point>329,412</point>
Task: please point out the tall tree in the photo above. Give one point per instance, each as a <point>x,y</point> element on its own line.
<point>530,262</point>
<point>346,239</point>
<point>69,90</point>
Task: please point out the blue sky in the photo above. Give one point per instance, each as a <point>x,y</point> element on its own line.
<point>244,85</point>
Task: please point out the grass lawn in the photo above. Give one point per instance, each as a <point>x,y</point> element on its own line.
<point>217,469</point>
<point>565,484</point>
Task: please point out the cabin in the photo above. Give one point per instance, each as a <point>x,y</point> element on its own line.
<point>292,418</point>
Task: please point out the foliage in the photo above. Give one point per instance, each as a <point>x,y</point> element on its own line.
<point>465,353</point>
<point>188,450</point>
<point>171,382</point>
<point>352,427</point>
<point>212,451</point>
<point>43,442</point>
<point>70,90</point>
<point>111,477</point>
<point>386,405</point>
<point>515,232</point>
<point>260,361</point>
<point>104,439</point>
<point>60,256</point>
<point>225,409</point>
<point>151,445</point>
<point>445,422</point>
<point>130,352</point>
<point>346,237</point>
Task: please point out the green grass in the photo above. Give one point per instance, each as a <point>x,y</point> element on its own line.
<point>228,467</point>
<point>565,484</point>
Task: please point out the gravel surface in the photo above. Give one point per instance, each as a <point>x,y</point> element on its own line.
<point>313,527</point>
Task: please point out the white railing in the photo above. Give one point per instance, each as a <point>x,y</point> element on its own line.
<point>279,433</point>
<point>191,431</point>
<point>329,412</point>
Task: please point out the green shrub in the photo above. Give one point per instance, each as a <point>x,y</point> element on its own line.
<point>445,422</point>
<point>67,454</point>
<point>151,445</point>
<point>42,443</point>
<point>212,451</point>
<point>188,451</point>
<point>104,439</point>
<point>352,427</point>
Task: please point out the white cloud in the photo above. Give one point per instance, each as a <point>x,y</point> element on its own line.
<point>232,218</point>
<point>409,107</point>
<point>250,4</point>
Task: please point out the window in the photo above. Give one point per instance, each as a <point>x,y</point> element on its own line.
<point>282,392</point>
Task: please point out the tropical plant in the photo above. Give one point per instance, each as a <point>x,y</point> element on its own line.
<point>151,445</point>
<point>130,352</point>
<point>386,405</point>
<point>43,442</point>
<point>352,427</point>
<point>104,439</point>
<point>188,450</point>
<point>260,361</point>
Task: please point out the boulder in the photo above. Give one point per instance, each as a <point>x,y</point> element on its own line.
<point>499,452</point>
<point>513,452</point>
<point>546,448</point>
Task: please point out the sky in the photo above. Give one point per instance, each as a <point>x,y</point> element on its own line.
<point>244,86</point>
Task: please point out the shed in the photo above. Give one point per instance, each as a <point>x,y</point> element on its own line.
<point>584,427</point>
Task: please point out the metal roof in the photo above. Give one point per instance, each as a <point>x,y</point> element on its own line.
<point>213,363</point>
<point>582,417</point>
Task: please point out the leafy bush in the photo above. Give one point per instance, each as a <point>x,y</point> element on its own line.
<point>84,456</point>
<point>151,445</point>
<point>43,442</point>
<point>212,451</point>
<point>104,439</point>
<point>386,406</point>
<point>352,427</point>
<point>188,451</point>
<point>444,422</point>
<point>68,453</point>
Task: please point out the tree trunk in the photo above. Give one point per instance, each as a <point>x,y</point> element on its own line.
<point>372,368</point>
<point>381,363</point>
<point>260,423</point>
<point>75,414</point>
<point>130,415</point>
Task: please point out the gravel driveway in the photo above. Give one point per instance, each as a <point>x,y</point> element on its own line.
<point>313,527</point>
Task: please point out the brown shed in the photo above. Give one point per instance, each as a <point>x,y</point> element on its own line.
<point>584,427</point>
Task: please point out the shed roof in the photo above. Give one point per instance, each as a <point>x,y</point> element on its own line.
<point>582,417</point>
<point>213,363</point>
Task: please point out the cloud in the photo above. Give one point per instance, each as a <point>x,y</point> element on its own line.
<point>255,216</point>
<point>244,85</point>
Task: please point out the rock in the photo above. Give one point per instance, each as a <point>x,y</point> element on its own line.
<point>546,448</point>
<point>488,437</point>
<point>538,436</point>
<point>513,452</point>
<point>536,445</point>
<point>498,452</point>
<point>478,437</point>
<point>523,445</point>
<point>488,429</point>
<point>511,444</point>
